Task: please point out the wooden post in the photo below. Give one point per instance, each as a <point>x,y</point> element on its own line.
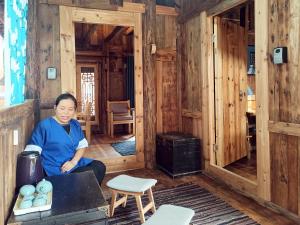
<point>149,25</point>
<point>32,77</point>
<point>262,109</point>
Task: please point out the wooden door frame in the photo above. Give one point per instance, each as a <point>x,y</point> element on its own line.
<point>70,15</point>
<point>261,188</point>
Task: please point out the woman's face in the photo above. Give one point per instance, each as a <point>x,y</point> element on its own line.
<point>65,111</point>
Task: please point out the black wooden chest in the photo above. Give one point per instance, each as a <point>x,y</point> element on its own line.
<point>178,154</point>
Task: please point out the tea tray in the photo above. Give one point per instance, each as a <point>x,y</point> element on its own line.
<point>18,211</point>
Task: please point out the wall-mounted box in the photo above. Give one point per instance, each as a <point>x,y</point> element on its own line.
<point>51,73</point>
<point>280,55</point>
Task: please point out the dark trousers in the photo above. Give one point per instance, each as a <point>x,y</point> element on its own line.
<point>97,166</point>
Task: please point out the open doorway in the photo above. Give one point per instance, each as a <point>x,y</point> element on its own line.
<point>108,68</point>
<point>105,87</point>
<point>234,66</point>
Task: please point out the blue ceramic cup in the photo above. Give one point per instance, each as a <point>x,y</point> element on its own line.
<point>44,187</point>
<point>28,197</point>
<point>27,190</point>
<point>25,204</point>
<point>39,201</point>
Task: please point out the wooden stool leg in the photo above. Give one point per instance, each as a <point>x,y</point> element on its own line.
<point>125,201</point>
<point>151,199</point>
<point>113,201</point>
<point>140,208</point>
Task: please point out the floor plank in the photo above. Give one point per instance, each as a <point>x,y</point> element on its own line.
<point>100,147</point>
<point>248,206</point>
<point>245,167</point>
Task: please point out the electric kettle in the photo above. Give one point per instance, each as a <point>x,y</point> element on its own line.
<point>29,169</point>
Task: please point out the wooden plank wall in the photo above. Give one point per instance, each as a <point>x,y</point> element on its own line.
<point>49,56</point>
<point>166,75</point>
<point>116,77</point>
<point>167,104</point>
<point>20,118</point>
<point>166,28</point>
<point>284,98</point>
<point>191,77</point>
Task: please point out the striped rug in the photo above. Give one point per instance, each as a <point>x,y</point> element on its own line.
<point>209,209</point>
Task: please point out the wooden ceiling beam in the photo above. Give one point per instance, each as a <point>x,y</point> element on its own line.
<point>213,7</point>
<point>92,4</point>
<point>194,8</point>
<point>128,30</point>
<point>224,6</point>
<point>116,31</point>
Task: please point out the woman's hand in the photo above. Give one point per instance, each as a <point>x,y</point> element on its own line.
<point>67,166</point>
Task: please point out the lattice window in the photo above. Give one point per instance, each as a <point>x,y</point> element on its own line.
<point>87,84</point>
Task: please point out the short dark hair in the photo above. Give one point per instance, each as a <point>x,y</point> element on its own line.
<point>66,96</point>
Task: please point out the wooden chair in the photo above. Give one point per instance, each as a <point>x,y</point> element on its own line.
<point>84,118</point>
<point>119,112</point>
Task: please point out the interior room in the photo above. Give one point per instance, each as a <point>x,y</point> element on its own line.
<point>105,83</point>
<point>148,112</point>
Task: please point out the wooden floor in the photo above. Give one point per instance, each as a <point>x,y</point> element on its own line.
<point>248,206</point>
<point>245,167</point>
<point>100,146</point>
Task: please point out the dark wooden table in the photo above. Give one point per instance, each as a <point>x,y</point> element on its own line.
<point>77,199</point>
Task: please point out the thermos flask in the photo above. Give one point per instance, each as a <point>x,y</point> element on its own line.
<point>29,169</point>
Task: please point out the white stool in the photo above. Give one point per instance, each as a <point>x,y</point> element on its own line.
<point>127,185</point>
<point>171,215</point>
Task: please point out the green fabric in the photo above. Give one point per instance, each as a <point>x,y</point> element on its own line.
<point>131,184</point>
<point>171,215</point>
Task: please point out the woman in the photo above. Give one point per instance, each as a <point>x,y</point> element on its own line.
<point>61,143</point>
